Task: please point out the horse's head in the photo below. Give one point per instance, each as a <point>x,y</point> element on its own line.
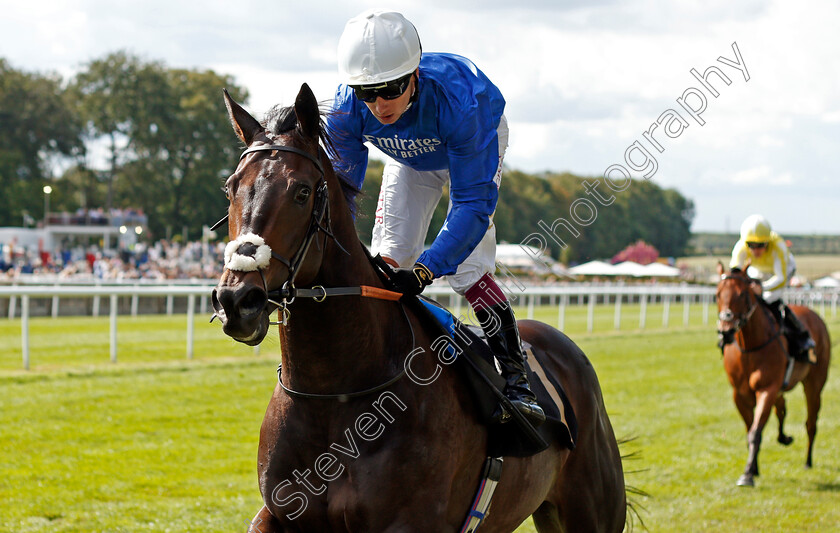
<point>735,302</point>
<point>278,202</point>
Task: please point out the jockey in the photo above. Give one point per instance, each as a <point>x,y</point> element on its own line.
<point>439,121</point>
<point>766,251</point>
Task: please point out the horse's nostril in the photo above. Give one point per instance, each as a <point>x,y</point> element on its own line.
<point>223,300</point>
<point>252,302</point>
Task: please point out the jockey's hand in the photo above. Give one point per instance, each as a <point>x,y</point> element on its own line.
<point>412,281</point>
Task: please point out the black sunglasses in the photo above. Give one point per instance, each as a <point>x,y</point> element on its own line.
<point>754,245</point>
<point>387,91</point>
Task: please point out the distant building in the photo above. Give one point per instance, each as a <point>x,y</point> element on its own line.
<point>120,228</point>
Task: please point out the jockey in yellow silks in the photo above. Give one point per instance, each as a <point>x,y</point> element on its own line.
<point>765,251</point>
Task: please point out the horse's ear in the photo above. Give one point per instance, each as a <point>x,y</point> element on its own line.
<point>306,110</point>
<point>245,126</point>
<point>720,269</point>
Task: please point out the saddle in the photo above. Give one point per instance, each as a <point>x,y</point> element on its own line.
<point>476,364</point>
<point>800,344</point>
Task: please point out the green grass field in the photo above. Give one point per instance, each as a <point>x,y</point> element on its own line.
<point>158,443</point>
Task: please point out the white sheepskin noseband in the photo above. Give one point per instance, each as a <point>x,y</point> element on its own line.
<point>247,263</point>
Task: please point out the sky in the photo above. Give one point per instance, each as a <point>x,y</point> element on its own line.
<point>584,81</point>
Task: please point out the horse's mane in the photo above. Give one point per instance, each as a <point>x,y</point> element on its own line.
<point>741,275</point>
<point>282,120</point>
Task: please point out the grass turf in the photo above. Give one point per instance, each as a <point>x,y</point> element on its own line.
<point>158,443</point>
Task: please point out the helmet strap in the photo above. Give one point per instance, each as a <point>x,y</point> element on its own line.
<point>414,94</point>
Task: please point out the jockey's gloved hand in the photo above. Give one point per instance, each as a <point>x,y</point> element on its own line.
<point>412,281</point>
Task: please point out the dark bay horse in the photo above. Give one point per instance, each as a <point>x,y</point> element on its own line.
<point>756,361</point>
<point>351,441</point>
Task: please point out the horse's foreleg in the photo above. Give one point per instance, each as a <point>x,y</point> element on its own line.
<point>745,406</point>
<point>781,412</point>
<point>764,405</point>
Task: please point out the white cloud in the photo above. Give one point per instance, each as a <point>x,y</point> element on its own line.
<point>761,175</point>
<point>832,117</point>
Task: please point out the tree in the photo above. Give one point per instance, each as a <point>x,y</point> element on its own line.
<point>529,204</point>
<point>169,141</point>
<point>638,252</point>
<point>187,152</point>
<point>118,98</point>
<point>367,199</point>
<point>38,127</point>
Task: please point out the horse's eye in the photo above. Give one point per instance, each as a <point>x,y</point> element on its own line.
<point>226,191</point>
<point>302,194</point>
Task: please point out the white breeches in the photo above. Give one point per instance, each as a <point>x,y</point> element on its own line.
<point>407,201</point>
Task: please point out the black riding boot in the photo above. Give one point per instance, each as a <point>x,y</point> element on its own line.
<point>800,337</point>
<point>499,325</point>
<point>778,310</point>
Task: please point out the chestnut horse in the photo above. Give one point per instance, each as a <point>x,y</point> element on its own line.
<point>351,441</point>
<point>756,361</point>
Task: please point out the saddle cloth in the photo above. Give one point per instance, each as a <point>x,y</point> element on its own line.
<point>508,439</point>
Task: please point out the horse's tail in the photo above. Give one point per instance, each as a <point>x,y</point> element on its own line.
<point>632,493</point>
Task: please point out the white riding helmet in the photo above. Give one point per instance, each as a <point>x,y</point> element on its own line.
<point>377,47</point>
<point>755,228</point>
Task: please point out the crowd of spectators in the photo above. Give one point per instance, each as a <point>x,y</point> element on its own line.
<point>100,217</point>
<point>163,260</point>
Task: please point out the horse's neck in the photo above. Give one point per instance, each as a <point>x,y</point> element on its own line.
<point>336,346</point>
<point>344,343</point>
<point>759,328</point>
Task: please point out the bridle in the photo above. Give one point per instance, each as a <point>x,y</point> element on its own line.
<point>319,221</point>
<point>320,211</point>
<point>283,148</point>
<point>740,320</point>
